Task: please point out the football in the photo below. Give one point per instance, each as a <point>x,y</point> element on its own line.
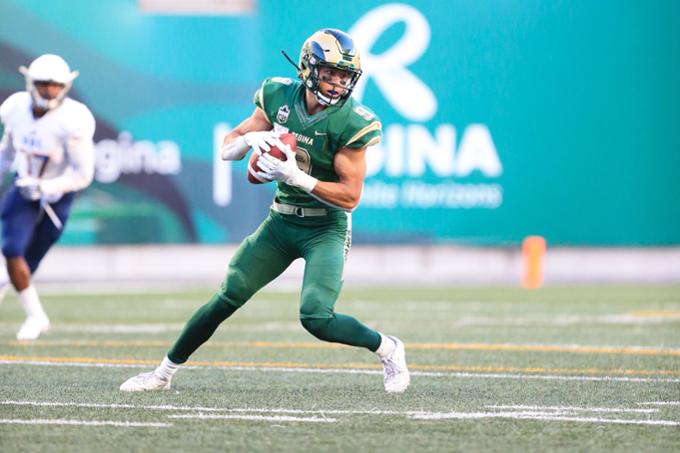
<point>253,168</point>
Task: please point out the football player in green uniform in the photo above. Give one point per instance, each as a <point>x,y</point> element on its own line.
<point>318,186</point>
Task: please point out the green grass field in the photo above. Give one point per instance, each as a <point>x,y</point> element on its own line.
<point>500,369</point>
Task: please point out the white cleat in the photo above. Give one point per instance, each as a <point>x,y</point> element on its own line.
<point>145,381</point>
<point>395,373</point>
<point>33,327</point>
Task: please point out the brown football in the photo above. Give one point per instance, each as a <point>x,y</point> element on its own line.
<point>286,139</point>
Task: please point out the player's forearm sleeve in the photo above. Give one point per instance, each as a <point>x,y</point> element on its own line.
<point>235,149</point>
<point>78,174</point>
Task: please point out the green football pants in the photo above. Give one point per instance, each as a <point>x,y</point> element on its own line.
<point>323,243</point>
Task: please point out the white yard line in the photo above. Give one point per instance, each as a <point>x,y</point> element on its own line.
<point>543,410</point>
<point>549,413</point>
<point>573,409</point>
<point>548,377</point>
<point>166,407</point>
<point>660,403</point>
<point>544,377</point>
<point>59,421</point>
<point>420,346</point>
<point>154,328</point>
<point>85,365</point>
<point>119,328</point>
<point>70,404</point>
<point>462,321</point>
<point>563,320</point>
<point>107,328</point>
<point>540,416</point>
<point>265,418</point>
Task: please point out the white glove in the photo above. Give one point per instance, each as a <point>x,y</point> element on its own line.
<point>262,140</point>
<point>285,171</point>
<point>29,187</point>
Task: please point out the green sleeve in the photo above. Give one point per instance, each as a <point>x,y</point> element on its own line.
<point>270,94</point>
<point>258,98</point>
<point>363,128</point>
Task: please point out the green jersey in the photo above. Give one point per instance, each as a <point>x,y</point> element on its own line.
<point>319,136</point>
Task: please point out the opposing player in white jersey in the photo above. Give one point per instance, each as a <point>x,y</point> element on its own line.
<point>47,142</point>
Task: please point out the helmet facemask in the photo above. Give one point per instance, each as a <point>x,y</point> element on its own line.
<point>313,81</point>
<point>48,68</point>
<point>332,49</point>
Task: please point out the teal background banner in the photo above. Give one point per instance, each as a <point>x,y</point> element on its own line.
<point>501,119</point>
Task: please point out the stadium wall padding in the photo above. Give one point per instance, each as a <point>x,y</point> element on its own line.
<point>500,119</point>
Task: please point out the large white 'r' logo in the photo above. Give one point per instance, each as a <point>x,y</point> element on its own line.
<point>409,95</point>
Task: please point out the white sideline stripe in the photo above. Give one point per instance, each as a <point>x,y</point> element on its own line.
<point>546,377</point>
<point>265,418</point>
<point>157,328</point>
<point>167,407</point>
<point>506,347</point>
<point>660,403</point>
<point>414,415</point>
<point>543,416</point>
<point>563,320</point>
<point>542,410</point>
<point>60,421</point>
<point>465,321</point>
<point>572,409</point>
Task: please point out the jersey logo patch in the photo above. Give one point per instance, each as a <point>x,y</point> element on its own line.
<point>282,114</point>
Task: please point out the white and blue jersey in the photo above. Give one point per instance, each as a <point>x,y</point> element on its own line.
<point>57,149</point>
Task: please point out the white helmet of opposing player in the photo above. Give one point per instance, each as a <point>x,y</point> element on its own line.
<point>48,68</point>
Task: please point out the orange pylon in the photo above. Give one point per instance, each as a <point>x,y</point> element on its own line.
<point>533,254</point>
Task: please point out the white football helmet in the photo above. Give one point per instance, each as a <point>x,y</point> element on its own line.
<point>48,68</point>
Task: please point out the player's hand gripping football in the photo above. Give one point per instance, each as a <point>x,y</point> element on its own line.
<point>285,171</point>
<point>262,140</point>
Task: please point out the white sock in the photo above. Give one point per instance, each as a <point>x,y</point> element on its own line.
<point>387,346</point>
<point>167,368</point>
<point>31,302</point>
<point>4,287</point>
<point>4,276</point>
<point>4,282</point>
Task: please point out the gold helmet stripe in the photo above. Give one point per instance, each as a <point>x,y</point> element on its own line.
<point>333,53</point>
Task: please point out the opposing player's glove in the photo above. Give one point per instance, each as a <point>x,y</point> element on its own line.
<point>285,171</point>
<point>262,140</point>
<point>29,187</point>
